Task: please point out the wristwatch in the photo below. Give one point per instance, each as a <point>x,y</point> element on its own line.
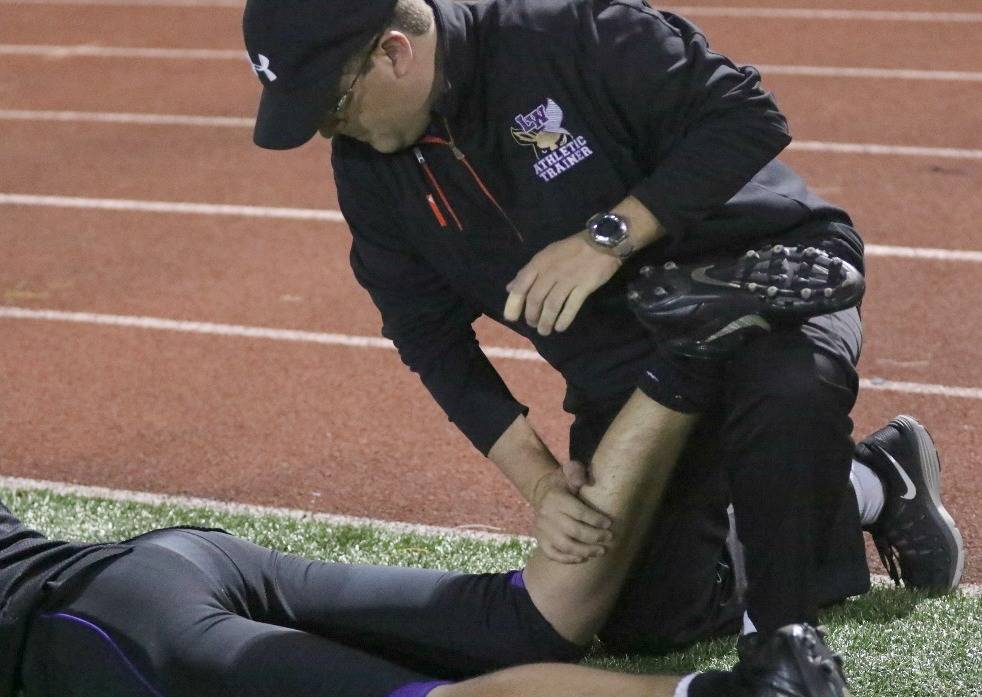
<point>609,232</point>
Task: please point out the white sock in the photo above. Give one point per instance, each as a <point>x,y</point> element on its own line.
<point>682,690</point>
<point>748,625</point>
<point>869,492</point>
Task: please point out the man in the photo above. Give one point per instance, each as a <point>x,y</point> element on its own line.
<point>199,613</point>
<point>471,142</point>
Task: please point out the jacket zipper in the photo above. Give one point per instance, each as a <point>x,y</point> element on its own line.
<point>439,192</point>
<point>462,158</point>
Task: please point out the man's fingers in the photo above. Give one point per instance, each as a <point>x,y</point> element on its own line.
<point>585,534</point>
<point>577,510</point>
<point>560,557</point>
<point>517,289</point>
<point>576,548</point>
<point>536,297</point>
<point>551,308</point>
<point>573,304</point>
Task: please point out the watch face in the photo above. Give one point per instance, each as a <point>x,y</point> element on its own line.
<point>609,230</point>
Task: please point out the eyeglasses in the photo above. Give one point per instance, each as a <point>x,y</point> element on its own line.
<point>345,98</point>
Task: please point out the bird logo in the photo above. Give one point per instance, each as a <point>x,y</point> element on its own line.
<point>542,129</point>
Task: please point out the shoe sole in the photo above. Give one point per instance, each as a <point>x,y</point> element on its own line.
<point>931,475</point>
<point>777,282</point>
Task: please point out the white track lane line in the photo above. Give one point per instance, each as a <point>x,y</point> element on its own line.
<point>237,4</point>
<point>243,122</point>
<point>90,51</point>
<point>331,519</point>
<point>695,11</point>
<point>875,149</point>
<point>93,51</point>
<point>112,204</point>
<point>872,250</point>
<point>231,330</point>
<point>828,14</point>
<point>869,73</point>
<point>124,118</point>
<point>476,531</point>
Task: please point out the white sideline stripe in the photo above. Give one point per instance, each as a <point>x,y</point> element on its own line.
<point>815,13</point>
<point>874,149</point>
<point>873,250</point>
<point>875,73</point>
<point>171,207</point>
<point>920,388</point>
<point>880,250</point>
<point>231,330</point>
<point>124,496</point>
<point>92,51</point>
<point>115,117</point>
<point>89,51</point>
<point>336,216</point>
<point>147,498</point>
<point>132,3</point>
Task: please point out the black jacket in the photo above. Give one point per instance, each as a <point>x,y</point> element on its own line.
<point>558,109</point>
<point>29,563</point>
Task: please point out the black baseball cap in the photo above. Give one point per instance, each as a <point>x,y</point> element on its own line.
<point>298,49</point>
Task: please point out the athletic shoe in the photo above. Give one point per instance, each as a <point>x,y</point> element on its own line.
<point>792,662</point>
<point>709,308</point>
<point>915,536</point>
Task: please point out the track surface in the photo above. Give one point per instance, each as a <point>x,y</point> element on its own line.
<point>347,429</point>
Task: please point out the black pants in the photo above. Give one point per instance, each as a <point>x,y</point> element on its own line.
<point>205,614</point>
<point>778,445</point>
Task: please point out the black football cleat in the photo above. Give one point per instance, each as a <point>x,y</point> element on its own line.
<point>915,535</point>
<point>792,662</point>
<point>708,308</point>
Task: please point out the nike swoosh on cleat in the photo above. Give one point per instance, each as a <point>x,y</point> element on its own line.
<point>741,323</point>
<point>911,489</point>
<point>699,275</point>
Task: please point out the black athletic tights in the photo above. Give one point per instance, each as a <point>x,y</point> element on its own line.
<point>205,614</point>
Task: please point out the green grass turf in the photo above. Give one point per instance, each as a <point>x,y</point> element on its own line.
<point>896,643</point>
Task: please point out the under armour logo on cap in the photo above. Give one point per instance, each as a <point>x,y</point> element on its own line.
<point>263,67</point>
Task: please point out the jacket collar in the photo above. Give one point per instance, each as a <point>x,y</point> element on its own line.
<point>457,58</point>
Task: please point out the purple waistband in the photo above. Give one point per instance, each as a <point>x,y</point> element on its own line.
<point>418,689</point>
<point>516,579</point>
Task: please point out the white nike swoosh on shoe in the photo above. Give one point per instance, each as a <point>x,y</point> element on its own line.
<point>699,275</point>
<point>911,489</point>
<point>741,323</point>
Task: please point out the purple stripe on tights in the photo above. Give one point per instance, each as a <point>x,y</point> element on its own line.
<point>108,639</point>
<point>418,689</point>
<point>516,579</point>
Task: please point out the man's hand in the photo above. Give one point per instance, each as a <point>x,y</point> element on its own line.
<point>552,287</point>
<point>569,531</point>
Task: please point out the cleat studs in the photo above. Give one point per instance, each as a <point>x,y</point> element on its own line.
<point>633,295</point>
<point>752,254</point>
<point>772,291</point>
<point>670,266</point>
<point>828,292</point>
<point>806,293</point>
<point>778,249</point>
<point>647,271</point>
<point>660,292</point>
<point>752,287</point>
<point>810,252</point>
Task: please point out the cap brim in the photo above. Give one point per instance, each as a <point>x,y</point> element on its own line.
<point>289,119</point>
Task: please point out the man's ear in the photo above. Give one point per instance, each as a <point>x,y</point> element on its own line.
<point>399,51</point>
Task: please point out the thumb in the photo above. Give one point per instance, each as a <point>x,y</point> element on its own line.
<point>576,475</point>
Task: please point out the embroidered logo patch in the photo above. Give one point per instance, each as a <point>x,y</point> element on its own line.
<point>556,149</point>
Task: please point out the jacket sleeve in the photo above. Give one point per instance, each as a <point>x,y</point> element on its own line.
<point>429,323</point>
<point>701,126</point>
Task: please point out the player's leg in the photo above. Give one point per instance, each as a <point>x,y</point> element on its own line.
<point>439,623</point>
<point>631,468</point>
<point>155,623</point>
